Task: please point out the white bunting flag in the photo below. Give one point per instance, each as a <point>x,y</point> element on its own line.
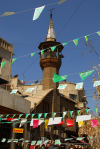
<point>29,89</point>
<point>62,86</point>
<point>22,122</point>
<point>56,120</point>
<point>83,118</point>
<point>79,85</point>
<point>14,91</point>
<point>96,83</point>
<point>38,12</point>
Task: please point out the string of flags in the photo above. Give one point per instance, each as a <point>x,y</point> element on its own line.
<point>37,11</point>
<point>52,48</point>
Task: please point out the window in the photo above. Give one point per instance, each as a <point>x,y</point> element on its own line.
<point>72,96</point>
<point>45,107</point>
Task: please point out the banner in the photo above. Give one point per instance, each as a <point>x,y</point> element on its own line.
<point>83,118</point>
<point>54,121</point>
<point>18,130</point>
<point>85,74</point>
<point>37,12</point>
<point>96,83</point>
<point>94,123</point>
<point>76,41</point>
<point>79,85</point>
<point>46,123</point>
<point>57,78</point>
<point>62,86</point>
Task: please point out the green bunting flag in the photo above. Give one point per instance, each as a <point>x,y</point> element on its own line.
<point>7,115</point>
<point>3,140</point>
<point>76,41</point>
<point>85,74</point>
<point>95,110</point>
<point>98,33</point>
<point>32,54</point>
<point>45,114</point>
<point>15,123</point>
<point>33,142</point>
<point>1,115</point>
<point>32,116</point>
<point>86,37</point>
<point>2,64</point>
<point>70,113</point>
<point>20,116</point>
<point>57,141</point>
<point>13,116</point>
<point>65,43</point>
<point>64,113</point>
<point>9,140</point>
<point>57,78</point>
<point>26,116</point>
<point>87,111</point>
<point>61,1</point>
<point>15,140</point>
<point>53,48</point>
<point>0,119</point>
<point>42,52</point>
<point>38,12</point>
<point>13,60</point>
<point>53,115</point>
<point>8,13</point>
<point>78,111</point>
<point>39,142</point>
<point>39,115</point>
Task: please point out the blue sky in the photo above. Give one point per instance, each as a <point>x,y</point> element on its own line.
<point>25,35</point>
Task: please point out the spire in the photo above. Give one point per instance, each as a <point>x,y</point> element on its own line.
<point>51,33</point>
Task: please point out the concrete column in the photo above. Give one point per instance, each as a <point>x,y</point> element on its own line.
<point>13,136</point>
<point>25,135</point>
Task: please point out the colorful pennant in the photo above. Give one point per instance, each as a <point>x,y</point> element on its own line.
<point>14,59</point>
<point>39,115</point>
<point>85,74</point>
<point>94,123</point>
<point>26,116</point>
<point>62,86</point>
<point>35,123</point>
<point>69,122</point>
<point>33,142</point>
<point>70,113</point>
<point>32,115</point>
<point>78,111</point>
<point>20,116</point>
<point>37,12</point>
<point>8,13</point>
<point>42,52</point>
<point>95,110</point>
<point>76,41</point>
<point>87,37</point>
<point>39,142</point>
<point>79,85</point>
<point>13,116</point>
<point>2,64</point>
<point>32,54</point>
<point>83,118</point>
<point>87,111</point>
<point>46,123</point>
<point>64,113</point>
<point>61,1</point>
<point>14,91</point>
<point>65,43</point>
<point>53,48</point>
<point>53,115</point>
<point>57,141</point>
<point>3,140</point>
<point>80,123</point>
<point>98,33</point>
<point>57,78</point>
<point>29,90</point>
<point>45,114</point>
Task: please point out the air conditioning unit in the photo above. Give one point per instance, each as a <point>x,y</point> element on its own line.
<point>63,135</point>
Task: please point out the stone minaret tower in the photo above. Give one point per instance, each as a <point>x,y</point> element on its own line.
<point>50,61</point>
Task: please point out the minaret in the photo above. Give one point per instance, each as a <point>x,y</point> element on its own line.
<point>50,61</point>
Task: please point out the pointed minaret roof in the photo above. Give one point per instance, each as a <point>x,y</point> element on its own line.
<point>51,33</point>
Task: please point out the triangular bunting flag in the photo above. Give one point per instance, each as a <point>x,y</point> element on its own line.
<point>3,140</point>
<point>7,115</point>
<point>53,48</point>
<point>78,111</point>
<point>85,74</point>
<point>35,123</point>
<point>8,13</point>
<point>65,43</point>
<point>13,60</point>
<point>87,111</point>
<point>39,142</point>
<point>61,1</point>
<point>69,122</point>
<point>57,78</point>
<point>70,113</point>
<point>98,33</point>
<point>33,142</point>
<point>22,122</point>
<point>57,141</point>
<point>94,123</point>
<point>13,116</point>
<point>80,123</point>
<point>2,64</point>
<point>20,116</point>
<point>76,41</point>
<point>87,37</point>
<point>62,86</point>
<point>53,115</point>
<point>14,91</point>
<point>39,115</point>
<point>38,12</point>
<point>32,54</point>
<point>26,116</point>
<point>42,52</point>
<point>64,113</point>
<point>95,110</point>
<point>96,83</point>
<point>32,116</point>
<point>15,140</point>
<point>0,119</point>
<point>45,114</point>
<point>29,90</point>
<point>1,115</point>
